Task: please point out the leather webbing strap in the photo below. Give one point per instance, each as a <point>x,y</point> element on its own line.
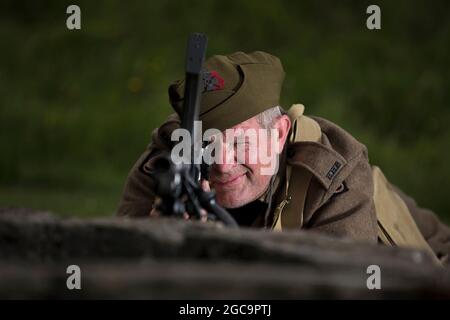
<point>289,213</point>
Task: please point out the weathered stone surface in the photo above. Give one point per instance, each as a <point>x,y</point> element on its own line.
<point>186,260</point>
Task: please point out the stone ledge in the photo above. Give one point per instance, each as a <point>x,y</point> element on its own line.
<point>167,258</point>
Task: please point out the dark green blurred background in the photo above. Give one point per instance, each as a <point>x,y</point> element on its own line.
<point>77,107</point>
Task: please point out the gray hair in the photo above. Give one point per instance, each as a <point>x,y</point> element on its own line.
<point>267,118</point>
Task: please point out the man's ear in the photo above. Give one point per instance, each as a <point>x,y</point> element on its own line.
<point>283,125</point>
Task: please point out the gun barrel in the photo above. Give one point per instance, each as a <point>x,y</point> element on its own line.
<point>195,57</point>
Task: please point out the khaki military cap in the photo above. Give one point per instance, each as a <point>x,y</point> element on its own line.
<point>236,87</point>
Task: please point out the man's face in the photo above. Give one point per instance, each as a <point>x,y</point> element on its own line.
<point>243,180</point>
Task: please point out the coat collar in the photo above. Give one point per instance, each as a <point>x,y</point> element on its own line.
<point>320,159</point>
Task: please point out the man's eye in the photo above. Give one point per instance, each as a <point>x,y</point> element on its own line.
<point>241,140</point>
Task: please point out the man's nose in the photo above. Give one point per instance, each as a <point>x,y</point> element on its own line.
<point>227,161</point>
<point>224,168</point>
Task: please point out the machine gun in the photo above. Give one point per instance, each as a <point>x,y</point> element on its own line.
<point>179,185</point>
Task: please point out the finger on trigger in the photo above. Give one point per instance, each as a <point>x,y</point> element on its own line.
<point>154,213</point>
<point>203,215</point>
<point>205,185</point>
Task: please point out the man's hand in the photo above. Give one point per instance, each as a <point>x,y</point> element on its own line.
<point>154,213</point>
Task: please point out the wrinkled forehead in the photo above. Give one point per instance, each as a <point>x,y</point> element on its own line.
<point>251,123</point>
<point>249,127</point>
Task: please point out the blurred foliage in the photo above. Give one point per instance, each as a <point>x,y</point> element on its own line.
<point>77,107</point>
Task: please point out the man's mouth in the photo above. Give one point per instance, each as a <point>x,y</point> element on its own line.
<point>228,182</point>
